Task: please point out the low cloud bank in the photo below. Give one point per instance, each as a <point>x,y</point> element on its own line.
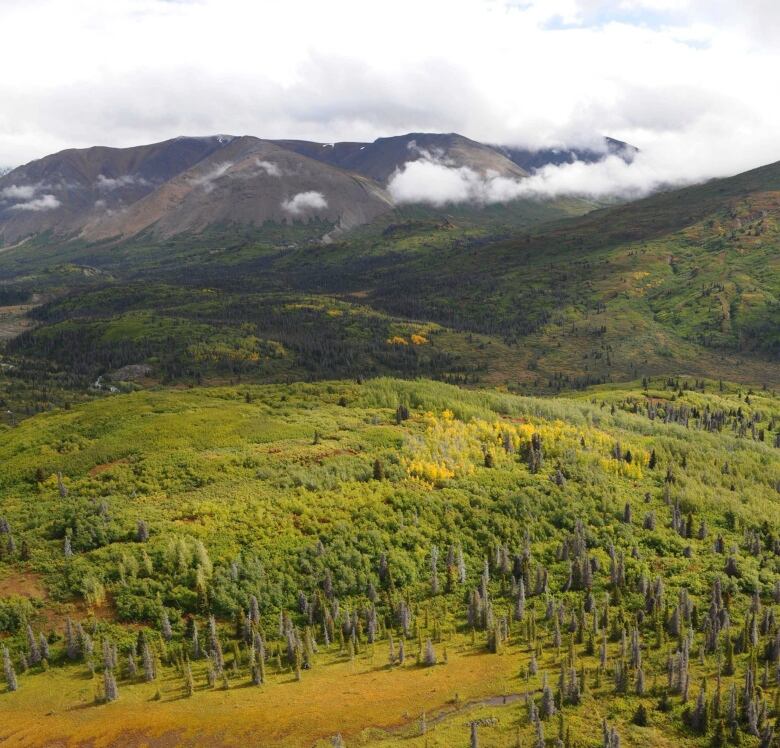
<point>611,177</point>
<point>436,183</point>
<point>304,202</point>
<point>433,181</point>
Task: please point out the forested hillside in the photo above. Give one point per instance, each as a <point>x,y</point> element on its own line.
<point>685,282</point>
<point>394,563</point>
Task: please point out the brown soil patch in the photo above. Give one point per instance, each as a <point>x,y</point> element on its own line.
<point>23,584</point>
<point>32,586</point>
<point>107,466</point>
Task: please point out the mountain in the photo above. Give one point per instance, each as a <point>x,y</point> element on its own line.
<point>247,182</point>
<point>382,158</point>
<point>61,193</point>
<point>187,185</point>
<point>179,186</point>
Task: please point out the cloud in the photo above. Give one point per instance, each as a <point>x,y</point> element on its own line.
<point>434,179</point>
<point>610,177</point>
<point>271,169</point>
<point>26,194</point>
<point>435,182</point>
<point>436,154</point>
<point>18,192</point>
<point>304,202</point>
<point>206,180</point>
<point>108,184</point>
<point>44,202</point>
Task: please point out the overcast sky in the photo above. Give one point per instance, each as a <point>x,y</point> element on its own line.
<point>693,83</point>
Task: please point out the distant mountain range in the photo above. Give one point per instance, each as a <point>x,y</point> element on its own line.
<point>188,184</point>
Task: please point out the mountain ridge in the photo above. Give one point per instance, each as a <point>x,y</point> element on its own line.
<point>101,192</point>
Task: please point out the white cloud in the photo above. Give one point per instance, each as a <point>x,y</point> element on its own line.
<point>429,181</point>
<point>18,192</point>
<point>611,177</point>
<point>271,169</point>
<point>44,202</point>
<point>108,184</point>
<point>206,180</point>
<point>433,181</point>
<point>304,202</point>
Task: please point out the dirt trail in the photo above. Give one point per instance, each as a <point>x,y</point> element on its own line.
<point>452,710</point>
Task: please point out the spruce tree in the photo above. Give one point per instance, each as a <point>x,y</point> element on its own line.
<point>8,669</point>
<point>43,645</point>
<point>196,651</point>
<point>640,716</point>
<point>33,651</point>
<point>430,655</point>
<point>719,737</point>
<point>538,734</point>
<point>109,685</point>
<point>165,626</point>
<point>189,681</point>
<point>434,570</point>
<point>71,641</point>
<point>132,668</point>
<point>142,531</point>
<point>547,706</point>
<point>150,672</point>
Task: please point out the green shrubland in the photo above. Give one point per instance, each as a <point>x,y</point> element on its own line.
<point>621,545</point>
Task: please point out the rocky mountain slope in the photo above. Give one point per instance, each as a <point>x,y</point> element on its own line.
<point>185,185</point>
